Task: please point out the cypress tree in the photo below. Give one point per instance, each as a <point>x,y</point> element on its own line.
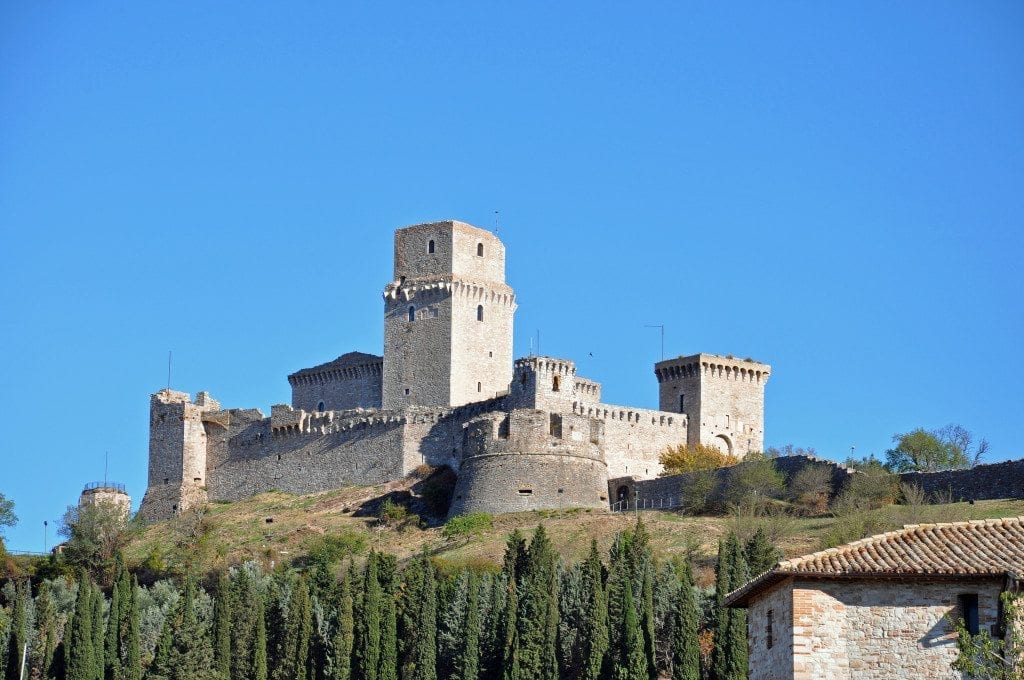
<point>736,632</point>
<point>595,629</point>
<point>343,639</point>
<point>510,635</point>
<point>723,578</point>
<point>259,651</point>
<point>222,627</point>
<point>98,630</point>
<point>298,631</point>
<point>631,661</point>
<point>469,660</point>
<point>46,622</point>
<point>191,652</point>
<point>132,666</point>
<point>760,554</point>
<point>388,667</point>
<point>161,667</point>
<point>18,634</point>
<point>246,604</point>
<point>537,624</point>
<point>408,616</point>
<point>647,619</point>
<point>368,626</point>
<point>112,643</point>
<point>685,647</point>
<point>491,641</point>
<point>426,642</point>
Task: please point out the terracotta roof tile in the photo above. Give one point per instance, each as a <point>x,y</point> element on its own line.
<point>977,547</point>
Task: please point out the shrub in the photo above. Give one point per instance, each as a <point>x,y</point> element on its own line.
<point>698,489</point>
<point>468,524</point>
<point>866,491</point>
<point>756,479</point>
<point>679,459</point>
<point>396,516</point>
<point>810,488</point>
<point>332,548</point>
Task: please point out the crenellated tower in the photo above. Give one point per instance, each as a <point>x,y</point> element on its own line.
<point>722,397</point>
<point>447,317</point>
<point>177,453</point>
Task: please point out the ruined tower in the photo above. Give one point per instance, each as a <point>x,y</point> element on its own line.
<point>447,317</point>
<point>722,397</point>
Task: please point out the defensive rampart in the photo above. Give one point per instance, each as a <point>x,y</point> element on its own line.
<point>982,482</point>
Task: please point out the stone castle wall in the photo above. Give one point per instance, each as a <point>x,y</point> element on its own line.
<point>634,439</point>
<point>982,482</point>
<point>529,460</point>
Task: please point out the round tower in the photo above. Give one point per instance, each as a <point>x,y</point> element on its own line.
<point>111,494</point>
<point>447,317</point>
<point>531,460</point>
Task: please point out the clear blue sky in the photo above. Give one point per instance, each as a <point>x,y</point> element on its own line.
<point>834,188</point>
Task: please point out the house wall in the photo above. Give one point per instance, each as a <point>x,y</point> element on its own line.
<point>867,629</point>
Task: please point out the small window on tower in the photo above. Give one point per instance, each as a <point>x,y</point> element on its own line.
<point>430,246</point>
<point>320,407</point>
<point>556,383</point>
<point>769,634</point>
<point>479,249</point>
<point>479,312</point>
<point>412,313</point>
<point>479,387</point>
<point>682,402</point>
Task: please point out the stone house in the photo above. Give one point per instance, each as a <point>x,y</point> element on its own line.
<point>881,607</point>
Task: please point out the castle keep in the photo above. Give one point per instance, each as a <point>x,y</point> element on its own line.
<point>522,435</point>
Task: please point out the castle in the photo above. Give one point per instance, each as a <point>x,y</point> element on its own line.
<point>522,435</point>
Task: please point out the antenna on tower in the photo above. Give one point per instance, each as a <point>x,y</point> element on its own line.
<point>169,354</point>
<point>662,327</point>
<point>106,460</point>
<point>497,215</point>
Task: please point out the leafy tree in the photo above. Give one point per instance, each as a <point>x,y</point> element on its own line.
<point>789,450</point>
<point>7,516</point>
<point>96,535</point>
<point>948,448</point>
<point>691,458</point>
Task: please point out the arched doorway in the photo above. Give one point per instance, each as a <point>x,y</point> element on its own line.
<point>723,442</point>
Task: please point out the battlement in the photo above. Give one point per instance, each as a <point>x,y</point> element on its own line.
<point>609,412</point>
<point>587,390</point>
<point>533,432</point>
<point>286,421</point>
<point>445,285</point>
<point>712,366</point>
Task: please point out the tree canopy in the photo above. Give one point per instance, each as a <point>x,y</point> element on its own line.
<point>948,448</point>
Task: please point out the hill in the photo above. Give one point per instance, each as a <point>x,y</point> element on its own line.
<point>275,528</point>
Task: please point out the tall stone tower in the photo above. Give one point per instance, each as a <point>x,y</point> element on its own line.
<point>177,453</point>
<point>447,317</point>
<point>722,397</point>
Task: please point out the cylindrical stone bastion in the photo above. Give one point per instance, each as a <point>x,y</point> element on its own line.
<point>531,460</point>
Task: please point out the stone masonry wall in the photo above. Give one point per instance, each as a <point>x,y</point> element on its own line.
<point>670,488</point>
<point>722,397</point>
<point>982,482</point>
<point>774,662</point>
<point>875,629</point>
<point>341,389</point>
<point>528,460</point>
<point>634,439</point>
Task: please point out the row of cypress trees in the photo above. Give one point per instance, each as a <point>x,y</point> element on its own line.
<point>629,618</point>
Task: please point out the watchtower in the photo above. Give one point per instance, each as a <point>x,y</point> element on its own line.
<point>722,397</point>
<point>447,317</point>
<point>177,453</point>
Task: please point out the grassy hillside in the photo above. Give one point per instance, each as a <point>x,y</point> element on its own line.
<point>275,528</point>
